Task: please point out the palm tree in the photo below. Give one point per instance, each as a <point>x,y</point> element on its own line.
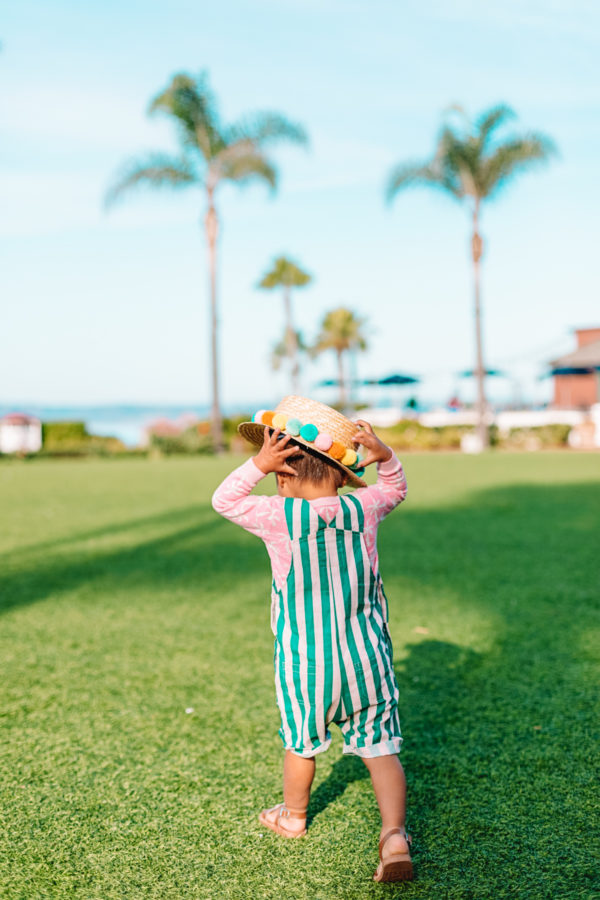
<point>287,274</point>
<point>210,153</point>
<point>472,165</point>
<point>341,331</point>
<point>280,350</point>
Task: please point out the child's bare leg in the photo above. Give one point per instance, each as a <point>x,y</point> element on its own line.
<point>389,784</point>
<point>298,774</point>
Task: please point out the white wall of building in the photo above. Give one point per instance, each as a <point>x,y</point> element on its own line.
<point>20,438</point>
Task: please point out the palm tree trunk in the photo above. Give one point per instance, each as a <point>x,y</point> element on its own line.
<point>341,379</point>
<point>291,343</point>
<point>477,250</point>
<point>211,224</point>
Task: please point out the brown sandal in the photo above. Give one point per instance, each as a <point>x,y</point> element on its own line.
<point>397,866</point>
<point>284,813</point>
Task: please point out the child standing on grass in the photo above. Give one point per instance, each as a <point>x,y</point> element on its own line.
<point>333,654</point>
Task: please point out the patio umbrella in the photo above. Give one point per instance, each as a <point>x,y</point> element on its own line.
<point>393,379</point>
<point>471,372</point>
<point>396,380</point>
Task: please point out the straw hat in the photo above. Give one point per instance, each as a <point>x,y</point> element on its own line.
<point>311,424</point>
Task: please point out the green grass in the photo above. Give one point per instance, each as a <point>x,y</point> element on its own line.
<point>126,600</point>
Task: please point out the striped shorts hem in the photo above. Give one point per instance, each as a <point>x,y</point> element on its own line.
<point>311,751</point>
<point>385,748</point>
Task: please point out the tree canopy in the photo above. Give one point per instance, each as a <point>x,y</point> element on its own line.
<point>341,330</point>
<point>210,151</point>
<point>470,159</point>
<point>284,273</point>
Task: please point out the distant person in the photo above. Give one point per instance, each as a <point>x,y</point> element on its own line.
<point>333,653</point>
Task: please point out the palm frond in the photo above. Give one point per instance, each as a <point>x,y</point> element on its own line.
<point>278,354</point>
<point>266,128</point>
<point>157,170</point>
<point>418,174</point>
<point>280,350</point>
<point>460,160</point>
<point>467,162</point>
<point>458,110</point>
<point>513,156</point>
<point>191,102</point>
<point>245,166</point>
<point>340,330</point>
<point>284,273</point>
<point>490,120</point>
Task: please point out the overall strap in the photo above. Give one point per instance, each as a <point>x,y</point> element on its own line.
<point>300,519</point>
<point>353,513</point>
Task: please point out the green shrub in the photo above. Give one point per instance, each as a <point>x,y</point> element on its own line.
<point>61,433</point>
<point>230,424</point>
<point>537,437</point>
<point>195,439</point>
<point>73,439</point>
<point>411,435</point>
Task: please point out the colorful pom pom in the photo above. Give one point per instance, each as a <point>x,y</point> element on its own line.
<point>337,450</point>
<point>323,441</point>
<point>257,417</point>
<point>279,420</point>
<point>359,472</point>
<point>349,457</point>
<point>267,417</point>
<point>309,432</point>
<point>293,426</point>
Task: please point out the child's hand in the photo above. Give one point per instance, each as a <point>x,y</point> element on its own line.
<point>273,453</point>
<point>377,451</point>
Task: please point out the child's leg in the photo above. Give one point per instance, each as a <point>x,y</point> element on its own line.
<point>298,774</point>
<point>389,784</point>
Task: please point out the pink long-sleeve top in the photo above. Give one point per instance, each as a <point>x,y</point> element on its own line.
<point>265,517</point>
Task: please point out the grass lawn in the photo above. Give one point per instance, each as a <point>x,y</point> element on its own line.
<point>138,724</point>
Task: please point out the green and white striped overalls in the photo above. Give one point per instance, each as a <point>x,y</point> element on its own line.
<point>333,654</point>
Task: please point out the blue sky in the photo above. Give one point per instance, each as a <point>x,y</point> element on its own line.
<point>101,308</point>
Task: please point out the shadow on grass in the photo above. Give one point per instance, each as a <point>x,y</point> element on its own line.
<point>344,771</point>
<point>509,549</point>
<point>498,743</point>
<point>186,552</point>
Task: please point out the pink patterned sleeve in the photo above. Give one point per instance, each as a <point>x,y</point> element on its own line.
<point>261,515</point>
<point>378,500</point>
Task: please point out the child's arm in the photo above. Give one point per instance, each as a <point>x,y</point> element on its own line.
<point>381,498</point>
<point>254,513</point>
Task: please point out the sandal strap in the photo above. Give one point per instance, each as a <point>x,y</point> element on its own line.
<point>387,835</point>
<point>286,813</point>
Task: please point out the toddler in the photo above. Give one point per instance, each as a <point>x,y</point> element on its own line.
<point>333,654</point>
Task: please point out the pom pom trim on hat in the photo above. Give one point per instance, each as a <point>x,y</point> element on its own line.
<point>337,450</point>
<point>310,433</point>
<point>323,441</point>
<point>349,457</point>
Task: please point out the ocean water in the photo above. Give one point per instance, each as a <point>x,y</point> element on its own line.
<point>124,422</point>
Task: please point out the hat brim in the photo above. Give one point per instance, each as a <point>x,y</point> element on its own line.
<point>254,432</point>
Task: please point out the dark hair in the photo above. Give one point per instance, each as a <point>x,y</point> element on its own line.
<point>311,466</point>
